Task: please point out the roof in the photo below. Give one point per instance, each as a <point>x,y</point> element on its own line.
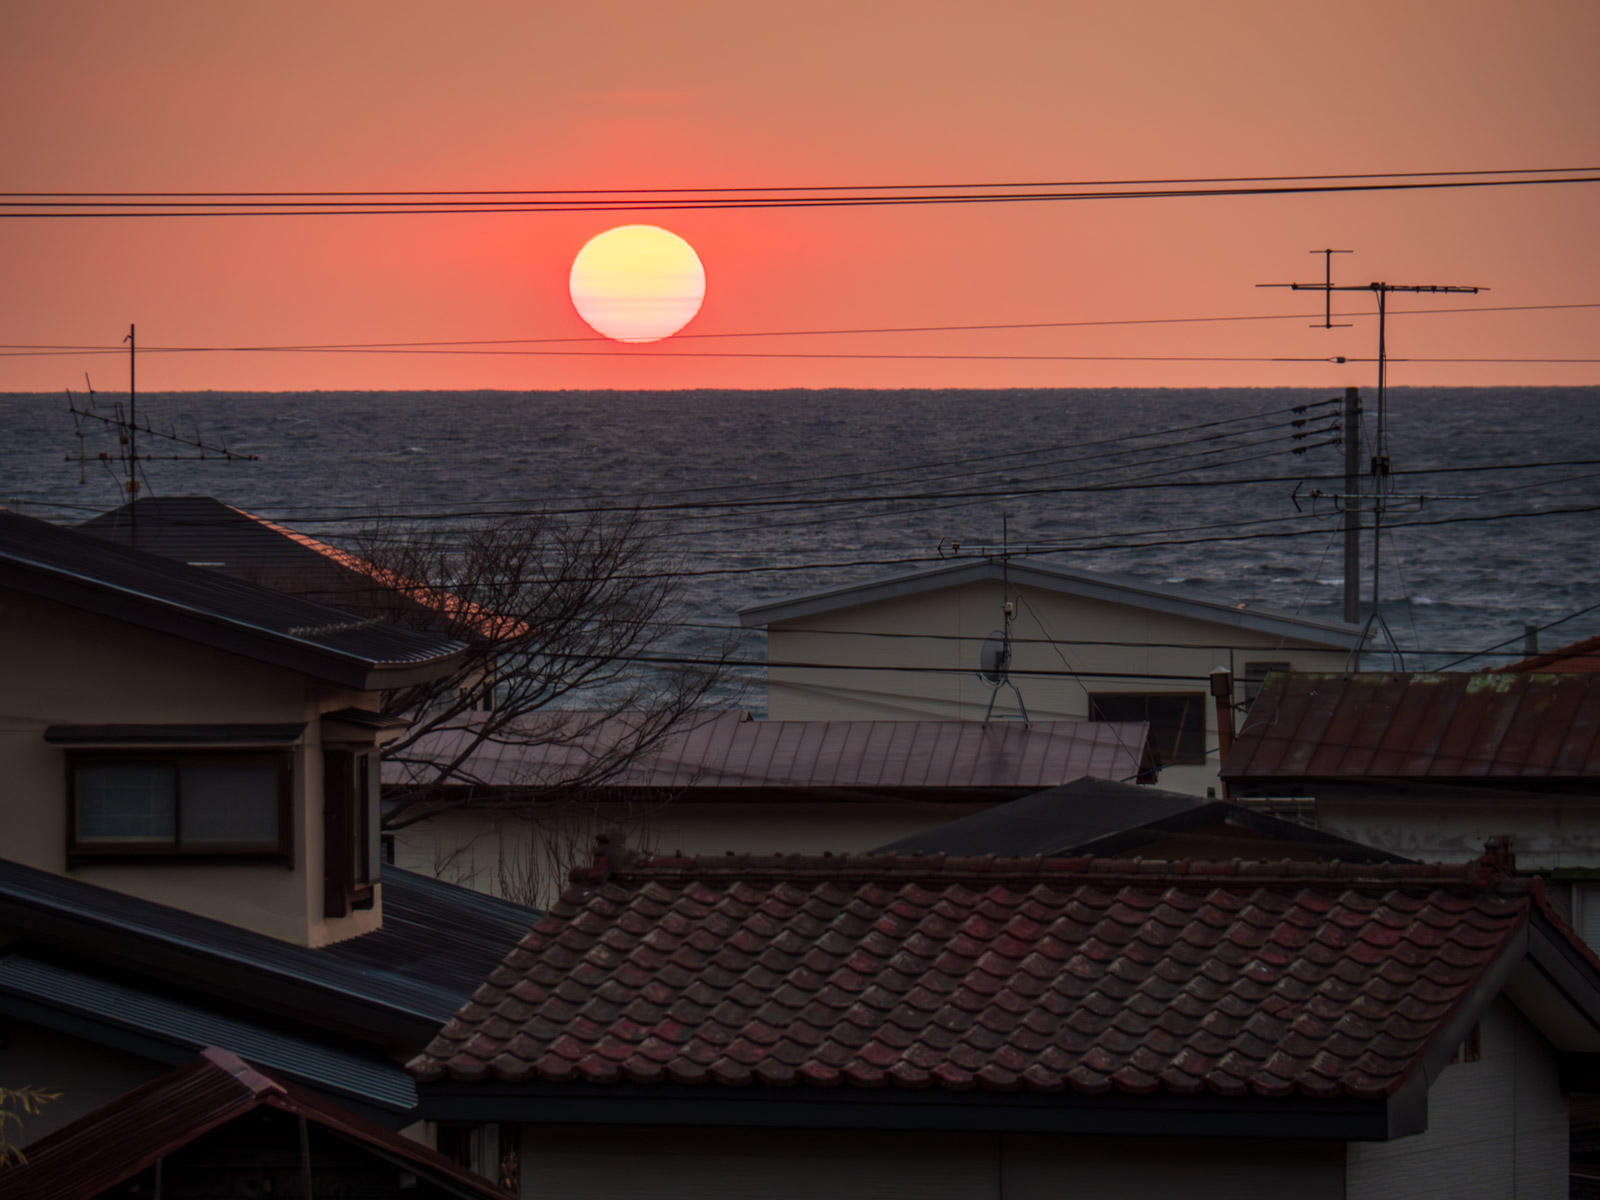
<point>215,610</point>
<point>726,753</point>
<point>1049,576</point>
<point>205,532</point>
<point>1462,727</point>
<point>1102,817</point>
<point>116,1142</point>
<point>1127,982</point>
<point>389,988</point>
<point>1581,656</point>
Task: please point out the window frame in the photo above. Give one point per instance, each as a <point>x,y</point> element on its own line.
<point>1198,700</point>
<point>282,760</point>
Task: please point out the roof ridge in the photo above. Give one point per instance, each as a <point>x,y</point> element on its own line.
<point>1493,871</point>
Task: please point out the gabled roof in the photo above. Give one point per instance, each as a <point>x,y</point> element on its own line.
<point>1083,994</point>
<point>1102,817</point>
<point>215,610</point>
<point>163,983</point>
<point>1457,727</point>
<point>728,753</point>
<point>1048,576</point>
<point>205,532</point>
<point>1581,656</point>
<point>115,1143</point>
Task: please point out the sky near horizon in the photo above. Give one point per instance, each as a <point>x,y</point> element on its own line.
<point>366,96</point>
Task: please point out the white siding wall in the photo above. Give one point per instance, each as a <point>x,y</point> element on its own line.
<point>647,1164</point>
<point>1497,1128</point>
<point>1054,633</point>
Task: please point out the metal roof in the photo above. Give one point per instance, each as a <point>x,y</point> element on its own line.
<point>1033,572</point>
<point>213,609</point>
<point>1578,657</point>
<point>55,996</point>
<point>116,1142</point>
<point>729,752</point>
<point>1504,726</point>
<point>393,986</point>
<point>1101,817</point>
<point>205,532</point>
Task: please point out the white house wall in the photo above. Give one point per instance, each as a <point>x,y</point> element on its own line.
<point>731,1164</point>
<point>1548,833</point>
<point>867,678</point>
<point>1497,1128</point>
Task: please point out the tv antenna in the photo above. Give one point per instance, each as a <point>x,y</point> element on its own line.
<point>126,423</point>
<point>1382,485</point>
<point>994,656</point>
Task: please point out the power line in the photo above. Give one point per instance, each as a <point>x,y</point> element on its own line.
<point>888,329</point>
<point>332,208</point>
<point>820,187</point>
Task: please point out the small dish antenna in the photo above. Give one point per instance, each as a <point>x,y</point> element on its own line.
<point>994,666</point>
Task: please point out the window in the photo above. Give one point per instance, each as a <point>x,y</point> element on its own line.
<point>1177,721</point>
<point>178,804</point>
<point>352,854</point>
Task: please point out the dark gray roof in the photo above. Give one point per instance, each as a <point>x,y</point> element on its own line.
<point>205,532</point>
<point>1049,822</point>
<point>1100,817</point>
<point>392,987</point>
<point>202,606</point>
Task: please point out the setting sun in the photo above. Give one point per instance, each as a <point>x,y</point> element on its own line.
<point>637,283</point>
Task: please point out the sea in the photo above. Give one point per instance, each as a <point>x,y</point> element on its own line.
<point>1492,505</point>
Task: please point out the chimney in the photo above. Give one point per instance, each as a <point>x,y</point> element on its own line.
<point>1222,692</point>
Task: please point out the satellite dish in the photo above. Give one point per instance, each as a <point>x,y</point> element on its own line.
<point>994,658</point>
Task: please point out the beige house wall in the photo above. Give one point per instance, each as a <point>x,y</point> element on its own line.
<point>1077,644</point>
<point>527,859</point>
<point>63,666</point>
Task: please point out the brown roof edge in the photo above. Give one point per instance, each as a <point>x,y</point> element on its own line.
<point>120,1139</point>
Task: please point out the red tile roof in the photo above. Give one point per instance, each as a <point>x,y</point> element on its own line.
<point>1046,975</point>
<point>117,1141</point>
<point>1306,725</point>
<point>729,751</point>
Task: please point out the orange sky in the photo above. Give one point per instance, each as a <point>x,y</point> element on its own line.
<point>368,96</point>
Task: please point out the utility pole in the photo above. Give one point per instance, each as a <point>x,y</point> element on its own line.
<point>1352,512</point>
<point>1380,463</point>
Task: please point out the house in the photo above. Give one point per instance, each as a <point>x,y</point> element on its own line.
<point>1082,647</point>
<point>1118,820</point>
<point>193,739</point>
<point>982,1027</point>
<point>718,783</point>
<point>218,1126</point>
<point>192,852</point>
<point>1428,765</point>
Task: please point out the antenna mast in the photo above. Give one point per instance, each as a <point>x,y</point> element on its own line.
<point>1380,464</point>
<point>994,656</point>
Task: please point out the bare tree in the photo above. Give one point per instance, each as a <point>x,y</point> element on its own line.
<point>572,628</point>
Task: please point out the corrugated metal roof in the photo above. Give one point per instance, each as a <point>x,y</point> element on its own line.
<point>397,982</point>
<point>203,605</point>
<point>1581,656</point>
<point>1048,576</point>
<point>119,1140</point>
<point>193,1028</point>
<point>1458,726</point>
<point>728,751</point>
